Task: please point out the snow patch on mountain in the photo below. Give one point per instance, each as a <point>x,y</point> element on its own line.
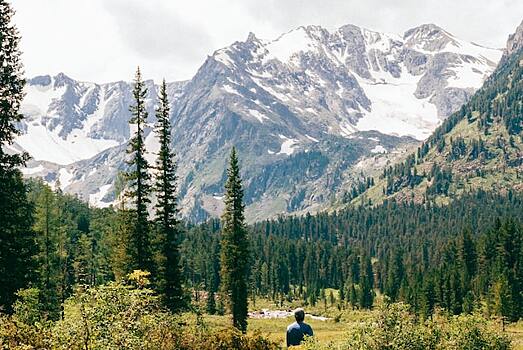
<point>395,110</point>
<point>231,90</point>
<point>38,99</point>
<point>287,147</point>
<point>258,115</point>
<point>287,45</point>
<point>43,144</point>
<point>152,145</point>
<point>468,75</point>
<point>65,178</point>
<point>96,199</point>
<point>31,171</point>
<point>379,149</point>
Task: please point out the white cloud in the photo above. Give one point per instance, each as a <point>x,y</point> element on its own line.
<point>104,40</point>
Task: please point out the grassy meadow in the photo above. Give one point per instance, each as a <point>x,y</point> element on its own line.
<point>333,332</point>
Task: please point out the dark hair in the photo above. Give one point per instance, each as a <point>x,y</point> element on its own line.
<point>299,315</point>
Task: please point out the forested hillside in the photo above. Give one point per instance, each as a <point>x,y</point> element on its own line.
<point>479,146</point>
<point>454,256</point>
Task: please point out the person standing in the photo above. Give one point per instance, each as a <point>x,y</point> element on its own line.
<point>299,329</point>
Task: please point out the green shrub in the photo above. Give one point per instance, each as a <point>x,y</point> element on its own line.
<point>27,306</point>
<point>17,335</point>
<point>116,316</point>
<point>395,328</point>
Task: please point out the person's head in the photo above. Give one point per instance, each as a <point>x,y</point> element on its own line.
<point>299,314</point>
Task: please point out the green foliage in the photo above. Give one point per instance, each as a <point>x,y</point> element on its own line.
<point>395,328</point>
<point>225,339</point>
<point>27,307</point>
<point>119,316</point>
<point>139,248</point>
<point>12,84</point>
<point>428,256</point>
<point>73,245</point>
<point>17,335</point>
<point>168,228</point>
<point>16,236</point>
<point>235,247</point>
<point>112,316</point>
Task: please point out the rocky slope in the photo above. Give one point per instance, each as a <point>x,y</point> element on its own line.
<point>311,112</point>
<point>478,147</point>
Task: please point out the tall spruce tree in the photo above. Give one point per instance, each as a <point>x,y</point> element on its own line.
<point>167,225</point>
<point>139,187</point>
<point>235,247</point>
<point>16,236</point>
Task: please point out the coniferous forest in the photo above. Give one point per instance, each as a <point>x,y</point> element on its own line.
<point>420,275</point>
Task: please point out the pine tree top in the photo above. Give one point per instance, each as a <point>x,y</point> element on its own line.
<point>11,86</point>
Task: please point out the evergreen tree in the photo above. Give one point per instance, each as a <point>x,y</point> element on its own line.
<point>468,257</point>
<point>16,237</point>
<point>166,209</point>
<point>353,297</point>
<point>235,247</point>
<point>366,284</point>
<point>428,299</point>
<point>139,245</point>
<point>11,87</point>
<point>210,306</point>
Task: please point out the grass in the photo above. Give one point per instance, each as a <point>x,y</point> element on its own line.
<point>274,329</point>
<point>516,332</point>
<point>327,332</point>
<point>333,331</point>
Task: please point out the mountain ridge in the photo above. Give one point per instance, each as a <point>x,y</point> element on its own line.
<point>478,147</point>
<point>275,105</point>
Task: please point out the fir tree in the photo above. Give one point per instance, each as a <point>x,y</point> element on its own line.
<point>166,209</point>
<point>139,245</point>
<point>366,284</point>
<point>47,227</point>
<point>235,247</point>
<point>210,306</point>
<point>16,236</point>
<point>11,87</point>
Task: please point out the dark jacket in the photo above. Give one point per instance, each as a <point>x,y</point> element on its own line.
<point>296,332</point>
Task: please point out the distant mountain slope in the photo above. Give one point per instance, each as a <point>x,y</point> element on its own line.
<point>67,120</point>
<point>312,112</point>
<point>478,147</point>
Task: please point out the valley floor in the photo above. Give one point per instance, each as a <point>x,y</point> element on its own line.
<point>326,332</point>
<point>331,332</point>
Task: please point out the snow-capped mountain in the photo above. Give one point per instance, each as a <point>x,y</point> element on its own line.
<point>309,111</point>
<point>68,121</point>
<point>356,79</point>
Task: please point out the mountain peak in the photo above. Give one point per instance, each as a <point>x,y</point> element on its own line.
<point>251,37</point>
<point>62,79</point>
<point>425,30</point>
<point>429,37</point>
<point>310,96</point>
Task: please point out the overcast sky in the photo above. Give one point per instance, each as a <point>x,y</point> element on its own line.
<point>104,40</point>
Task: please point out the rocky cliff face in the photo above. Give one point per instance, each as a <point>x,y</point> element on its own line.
<point>311,112</point>
<point>515,41</point>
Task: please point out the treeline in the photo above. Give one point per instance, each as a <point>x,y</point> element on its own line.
<point>459,257</point>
